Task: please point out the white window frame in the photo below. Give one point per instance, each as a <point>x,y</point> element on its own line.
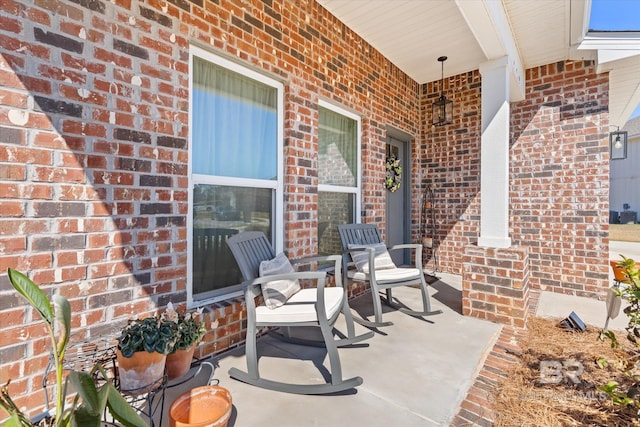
<point>357,190</point>
<point>194,179</point>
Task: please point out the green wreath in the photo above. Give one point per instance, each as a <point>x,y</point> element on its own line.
<point>394,174</point>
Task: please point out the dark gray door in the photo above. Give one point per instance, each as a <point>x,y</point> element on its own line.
<point>397,206</point>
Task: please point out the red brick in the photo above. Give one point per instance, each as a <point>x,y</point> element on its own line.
<point>81,128</point>
<point>449,156</point>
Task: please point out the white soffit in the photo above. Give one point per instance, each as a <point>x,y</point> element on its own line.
<point>624,90</point>
<point>545,30</point>
<point>412,34</point>
<point>618,53</point>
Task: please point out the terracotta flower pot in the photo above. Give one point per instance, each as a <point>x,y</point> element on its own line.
<point>179,362</point>
<point>141,372</point>
<point>206,406</point>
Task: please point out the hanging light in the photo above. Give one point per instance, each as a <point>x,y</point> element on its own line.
<point>442,109</point>
<point>618,144</point>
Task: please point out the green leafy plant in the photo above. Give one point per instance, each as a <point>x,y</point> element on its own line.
<point>152,334</point>
<point>630,367</point>
<point>618,397</point>
<point>187,327</point>
<point>91,399</point>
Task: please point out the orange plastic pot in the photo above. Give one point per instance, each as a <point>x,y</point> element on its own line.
<point>206,406</point>
<point>618,272</point>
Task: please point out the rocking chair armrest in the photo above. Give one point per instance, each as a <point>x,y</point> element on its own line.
<point>335,259</point>
<point>251,291</point>
<point>405,246</point>
<point>418,254</point>
<point>314,275</point>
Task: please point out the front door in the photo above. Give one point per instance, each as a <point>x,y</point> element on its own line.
<point>397,188</point>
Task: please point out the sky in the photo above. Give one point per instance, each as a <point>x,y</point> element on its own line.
<point>616,15</point>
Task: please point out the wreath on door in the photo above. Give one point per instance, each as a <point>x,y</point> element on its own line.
<point>393,178</point>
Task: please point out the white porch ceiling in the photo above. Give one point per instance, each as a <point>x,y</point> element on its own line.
<point>414,33</point>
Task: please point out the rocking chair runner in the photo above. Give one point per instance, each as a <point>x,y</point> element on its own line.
<point>379,269</point>
<point>318,306</point>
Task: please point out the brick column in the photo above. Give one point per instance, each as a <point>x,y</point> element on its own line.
<point>495,284</point>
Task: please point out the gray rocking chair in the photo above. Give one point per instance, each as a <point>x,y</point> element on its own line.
<point>318,306</point>
<point>361,237</point>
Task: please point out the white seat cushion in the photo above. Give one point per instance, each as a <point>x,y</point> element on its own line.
<point>389,275</point>
<point>301,307</point>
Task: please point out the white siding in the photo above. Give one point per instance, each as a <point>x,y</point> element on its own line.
<point>625,179</point>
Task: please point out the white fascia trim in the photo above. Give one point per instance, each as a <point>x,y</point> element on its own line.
<point>611,40</point>
<point>609,55</point>
<point>611,46</point>
<point>489,24</point>
<point>577,22</point>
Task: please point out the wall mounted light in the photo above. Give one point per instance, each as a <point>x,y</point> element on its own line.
<point>442,109</point>
<point>618,144</point>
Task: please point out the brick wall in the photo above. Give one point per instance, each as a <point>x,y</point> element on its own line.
<point>559,175</point>
<point>93,158</point>
<point>93,164</point>
<point>450,165</point>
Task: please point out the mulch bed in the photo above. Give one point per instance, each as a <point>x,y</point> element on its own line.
<point>555,379</point>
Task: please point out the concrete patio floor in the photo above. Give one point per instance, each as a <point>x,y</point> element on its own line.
<point>416,372</point>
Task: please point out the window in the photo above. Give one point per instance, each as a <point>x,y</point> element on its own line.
<point>235,168</point>
<point>338,174</point>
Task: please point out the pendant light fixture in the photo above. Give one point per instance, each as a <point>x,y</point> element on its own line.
<point>442,109</point>
<point>618,144</point>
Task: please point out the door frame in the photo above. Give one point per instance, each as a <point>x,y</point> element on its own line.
<point>406,140</point>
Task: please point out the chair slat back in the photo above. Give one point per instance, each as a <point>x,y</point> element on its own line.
<point>359,234</point>
<point>250,248</point>
<point>356,234</point>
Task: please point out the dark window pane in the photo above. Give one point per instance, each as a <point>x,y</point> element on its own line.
<point>218,213</point>
<point>333,209</point>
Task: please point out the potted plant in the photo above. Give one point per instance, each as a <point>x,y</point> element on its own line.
<point>629,290</point>
<point>142,351</point>
<point>189,330</point>
<point>94,390</point>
